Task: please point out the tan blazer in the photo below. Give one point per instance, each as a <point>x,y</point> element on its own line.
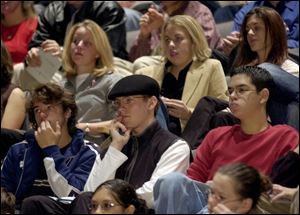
<point>203,79</point>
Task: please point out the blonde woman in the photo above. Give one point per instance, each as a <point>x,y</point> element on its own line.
<point>187,74</point>
<point>90,74</point>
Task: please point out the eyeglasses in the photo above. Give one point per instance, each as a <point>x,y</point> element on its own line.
<point>128,100</point>
<point>239,91</point>
<point>220,199</point>
<point>104,206</point>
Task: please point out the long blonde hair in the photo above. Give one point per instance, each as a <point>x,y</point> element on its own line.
<point>103,64</point>
<point>201,50</point>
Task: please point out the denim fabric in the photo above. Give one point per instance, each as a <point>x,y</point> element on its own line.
<point>283,107</point>
<point>175,193</point>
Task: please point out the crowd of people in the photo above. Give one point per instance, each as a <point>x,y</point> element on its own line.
<point>183,121</point>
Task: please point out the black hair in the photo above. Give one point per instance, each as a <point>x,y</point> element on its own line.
<point>124,193</point>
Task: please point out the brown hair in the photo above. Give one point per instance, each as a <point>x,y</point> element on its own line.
<point>276,30</point>
<point>249,182</point>
<point>51,93</point>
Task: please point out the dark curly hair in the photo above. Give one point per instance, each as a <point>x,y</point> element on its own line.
<point>51,93</point>
<point>124,193</point>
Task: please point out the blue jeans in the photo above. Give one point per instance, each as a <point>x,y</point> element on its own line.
<point>283,104</point>
<point>175,193</point>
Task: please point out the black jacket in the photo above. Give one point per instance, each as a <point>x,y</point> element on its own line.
<point>108,14</point>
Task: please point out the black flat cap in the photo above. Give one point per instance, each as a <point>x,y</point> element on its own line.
<point>135,85</point>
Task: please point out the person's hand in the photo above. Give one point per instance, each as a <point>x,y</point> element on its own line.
<point>46,136</point>
<point>281,193</point>
<point>230,42</point>
<point>152,20</point>
<point>177,108</point>
<point>52,47</point>
<point>120,135</point>
<point>33,57</point>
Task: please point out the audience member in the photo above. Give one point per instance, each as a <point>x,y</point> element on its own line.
<point>235,188</point>
<point>263,39</point>
<point>12,98</point>
<point>151,23</point>
<point>59,16</point>
<point>253,142</point>
<point>90,73</point>
<point>117,197</point>
<point>56,21</point>
<point>141,151</point>
<point>288,10</point>
<point>18,23</point>
<point>187,73</point>
<point>54,159</point>
<point>8,202</point>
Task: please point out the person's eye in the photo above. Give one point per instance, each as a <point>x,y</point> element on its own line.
<point>94,207</point>
<point>36,111</point>
<point>167,40</point>
<point>241,90</point>
<point>107,205</point>
<point>178,39</point>
<point>87,43</point>
<point>128,100</point>
<point>75,41</point>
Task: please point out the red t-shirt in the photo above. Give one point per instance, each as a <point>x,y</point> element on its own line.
<point>229,144</point>
<point>16,38</point>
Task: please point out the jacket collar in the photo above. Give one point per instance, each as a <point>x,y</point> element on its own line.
<point>148,133</point>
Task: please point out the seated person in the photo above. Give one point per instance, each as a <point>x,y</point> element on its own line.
<point>90,75</point>
<point>56,21</point>
<point>186,73</point>
<point>18,23</point>
<point>139,150</point>
<point>263,39</point>
<point>151,23</point>
<point>254,142</point>
<point>289,14</point>
<point>117,196</point>
<point>235,188</point>
<point>54,159</point>
<point>288,10</point>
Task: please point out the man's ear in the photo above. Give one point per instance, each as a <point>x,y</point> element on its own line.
<point>264,95</point>
<point>152,102</point>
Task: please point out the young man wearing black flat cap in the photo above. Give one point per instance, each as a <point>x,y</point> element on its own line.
<point>140,151</point>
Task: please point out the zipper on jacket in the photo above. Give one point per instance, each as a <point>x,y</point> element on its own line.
<point>133,154</point>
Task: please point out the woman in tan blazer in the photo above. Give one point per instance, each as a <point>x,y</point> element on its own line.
<point>187,73</point>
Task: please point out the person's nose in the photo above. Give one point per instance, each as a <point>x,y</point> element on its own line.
<point>250,32</point>
<point>43,115</point>
<point>171,44</point>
